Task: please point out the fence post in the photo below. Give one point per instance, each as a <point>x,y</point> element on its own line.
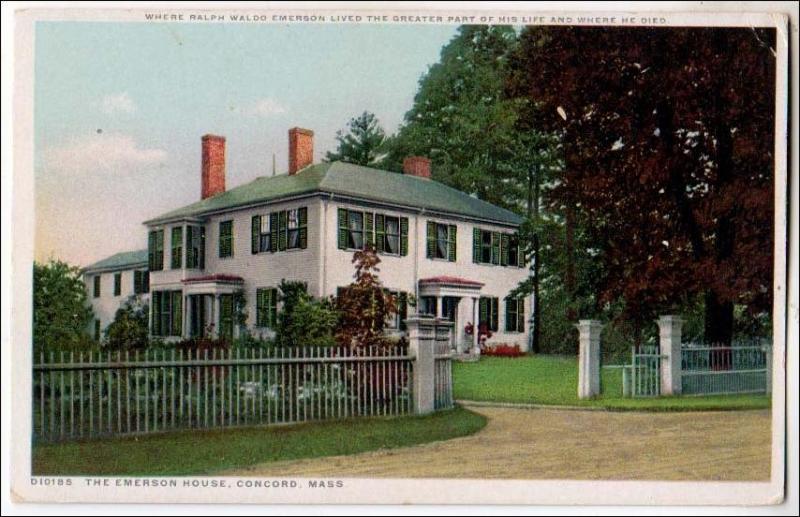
<point>669,327</point>
<point>421,342</point>
<point>589,358</point>
<point>768,372</point>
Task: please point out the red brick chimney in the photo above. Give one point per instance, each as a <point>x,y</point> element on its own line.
<point>301,149</point>
<point>213,165</point>
<point>418,166</point>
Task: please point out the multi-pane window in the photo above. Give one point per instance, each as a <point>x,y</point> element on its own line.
<point>355,230</point>
<point>225,239</point>
<point>195,247</point>
<point>226,310</point>
<point>176,262</point>
<point>96,290</point>
<point>279,231</point>
<point>515,315</point>
<point>449,307</point>
<point>496,248</point>
<point>389,239</point>
<point>155,250</point>
<point>167,313</point>
<point>266,307</point>
<point>117,284</point>
<point>488,308</point>
<point>359,230</point>
<point>441,242</point>
<point>141,282</point>
<point>397,321</point>
<point>428,306</point>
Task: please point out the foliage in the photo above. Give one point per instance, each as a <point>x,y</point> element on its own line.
<point>130,328</point>
<point>669,164</point>
<point>304,320</point>
<point>61,312</point>
<point>364,306</point>
<point>363,142</point>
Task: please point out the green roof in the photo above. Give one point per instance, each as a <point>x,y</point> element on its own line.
<point>123,260</point>
<point>348,180</point>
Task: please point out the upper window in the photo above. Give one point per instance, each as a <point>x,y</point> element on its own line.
<point>355,227</point>
<point>96,286</point>
<point>359,230</point>
<point>279,231</point>
<point>441,242</point>
<point>195,247</point>
<point>176,262</point>
<point>225,239</point>
<point>155,250</point>
<point>496,248</point>
<point>117,284</point>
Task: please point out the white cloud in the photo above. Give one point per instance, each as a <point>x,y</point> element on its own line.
<point>266,108</point>
<point>101,152</point>
<point>117,103</point>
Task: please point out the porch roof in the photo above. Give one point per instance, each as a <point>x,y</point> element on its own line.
<point>214,279</point>
<point>450,280</point>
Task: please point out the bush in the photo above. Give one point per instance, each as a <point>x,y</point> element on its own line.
<point>303,319</point>
<point>502,350</point>
<point>129,330</point>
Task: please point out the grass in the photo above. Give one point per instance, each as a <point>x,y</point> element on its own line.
<point>206,452</point>
<point>553,380</point>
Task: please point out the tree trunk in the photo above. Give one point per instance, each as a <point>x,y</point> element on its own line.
<point>569,280</point>
<point>533,214</point>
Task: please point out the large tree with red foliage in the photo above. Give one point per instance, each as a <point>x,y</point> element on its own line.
<point>668,138</point>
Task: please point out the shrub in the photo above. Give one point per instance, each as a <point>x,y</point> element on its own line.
<point>129,330</point>
<point>502,350</point>
<point>303,319</point>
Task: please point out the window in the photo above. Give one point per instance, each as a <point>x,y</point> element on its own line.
<point>167,313</point>
<point>441,243</point>
<point>177,248</point>
<point>449,307</point>
<point>279,231</point>
<point>428,306</point>
<point>514,252</point>
<point>359,230</point>
<point>266,307</point>
<point>495,248</point>
<point>355,227</point>
<point>391,235</point>
<point>117,284</point>
<point>155,250</point>
<point>515,315</point>
<point>195,247</point>
<point>97,330</point>
<point>141,282</point>
<point>487,313</point>
<point>397,321</point>
<point>96,286</point>
<point>225,239</point>
<point>226,317</point>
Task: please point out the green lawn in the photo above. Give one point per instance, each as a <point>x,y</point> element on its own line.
<point>553,380</point>
<point>206,452</point>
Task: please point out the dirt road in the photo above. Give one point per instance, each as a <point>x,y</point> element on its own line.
<point>565,444</point>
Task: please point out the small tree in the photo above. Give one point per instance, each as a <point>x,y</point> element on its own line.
<point>304,320</point>
<point>129,330</point>
<point>61,313</point>
<point>364,306</point>
<point>363,142</point>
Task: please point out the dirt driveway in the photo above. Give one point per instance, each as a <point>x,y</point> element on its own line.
<point>568,444</point>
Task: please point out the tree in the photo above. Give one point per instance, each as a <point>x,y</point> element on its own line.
<point>61,313</point>
<point>668,142</point>
<point>304,320</point>
<point>364,306</point>
<point>130,329</point>
<point>363,142</point>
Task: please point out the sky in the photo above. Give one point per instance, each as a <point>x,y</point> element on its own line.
<point>119,110</point>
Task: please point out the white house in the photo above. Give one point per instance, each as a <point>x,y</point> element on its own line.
<point>457,255</point>
<point>113,280</point>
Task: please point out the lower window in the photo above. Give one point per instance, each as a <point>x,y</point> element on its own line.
<point>167,313</point>
<point>515,315</point>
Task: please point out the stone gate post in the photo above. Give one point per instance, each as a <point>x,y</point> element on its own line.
<point>589,358</point>
<point>669,331</point>
<point>421,343</point>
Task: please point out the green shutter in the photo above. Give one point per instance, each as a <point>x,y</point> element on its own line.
<point>504,245</point>
<point>273,230</point>
<point>302,221</point>
<point>189,251</point>
<point>342,241</point>
<point>430,248</point>
<point>520,254</point>
<point>369,227</point>
<point>495,247</point>
<point>177,313</point>
<point>402,309</point>
<point>509,317</point>
<point>476,245</point>
<point>282,236</point>
<point>483,311</point>
<point>403,236</point>
<point>495,312</point>
<point>379,233</point>
<point>155,308</point>
<point>151,250</point>
<point>451,245</point>
<point>521,315</point>
<point>255,234</point>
